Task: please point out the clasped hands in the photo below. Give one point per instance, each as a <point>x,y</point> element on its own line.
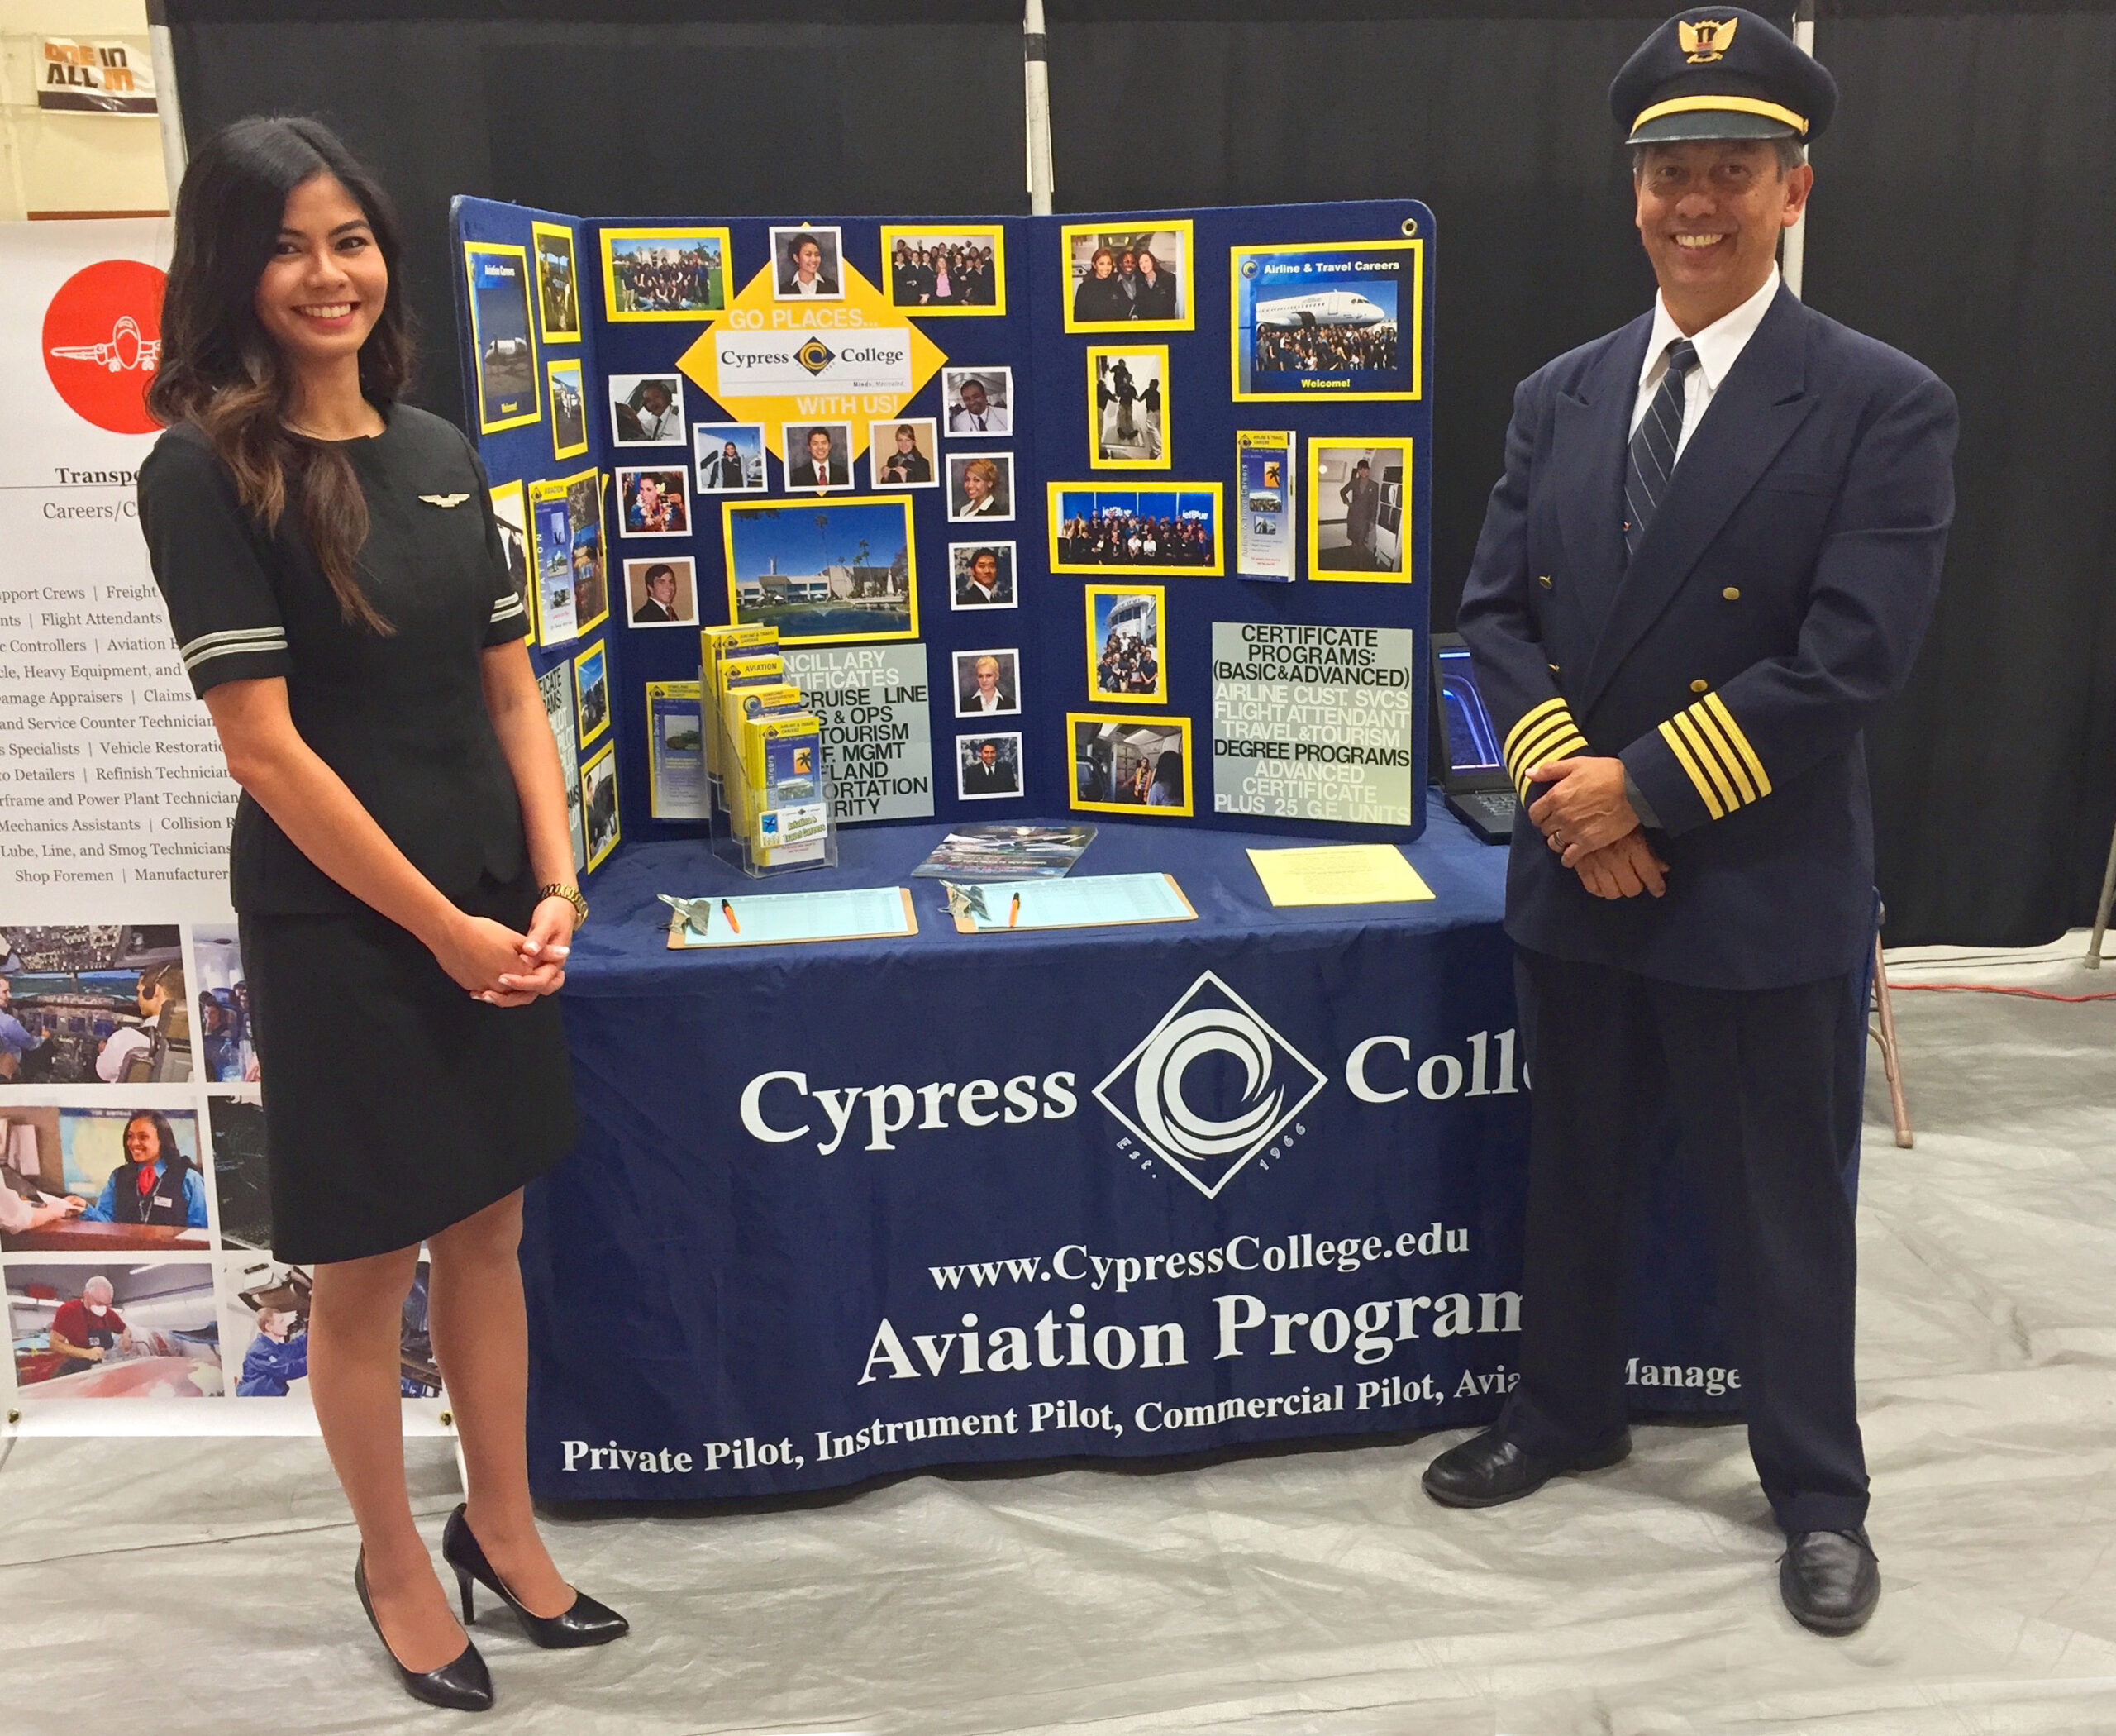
<point>1586,817</point>
<point>503,968</point>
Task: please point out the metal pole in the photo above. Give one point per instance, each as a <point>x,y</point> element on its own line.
<point>1036,73</point>
<point>2101,909</point>
<point>1794,264</point>
<point>167,110</point>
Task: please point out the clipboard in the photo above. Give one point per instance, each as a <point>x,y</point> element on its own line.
<point>796,919</point>
<point>1099,901</point>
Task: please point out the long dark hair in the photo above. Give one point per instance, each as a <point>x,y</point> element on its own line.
<point>221,370</point>
<point>173,1162</point>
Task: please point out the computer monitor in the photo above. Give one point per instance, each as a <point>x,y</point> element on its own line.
<point>1474,758</point>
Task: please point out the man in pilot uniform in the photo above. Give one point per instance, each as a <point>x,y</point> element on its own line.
<point>1712,555</point>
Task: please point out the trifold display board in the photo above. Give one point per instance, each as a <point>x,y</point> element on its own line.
<point>1120,514</point>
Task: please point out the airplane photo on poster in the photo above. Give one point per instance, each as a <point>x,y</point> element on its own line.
<point>1338,318</point>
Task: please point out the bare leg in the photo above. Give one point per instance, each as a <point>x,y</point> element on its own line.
<point>481,1339</point>
<point>355,1329</point>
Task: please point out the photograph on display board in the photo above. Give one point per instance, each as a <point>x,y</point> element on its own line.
<point>647,409</point>
<point>841,569</point>
<point>115,1330</point>
<point>227,1054</point>
<point>591,685</point>
<point>1338,319</point>
<point>979,401</point>
<point>945,268</point>
<point>598,802</point>
<point>556,685</point>
<point>126,1178</point>
<point>988,684</point>
<point>500,337</point>
<point>264,1328</point>
<point>653,503</point>
<point>900,454</point>
<point>511,512</point>
<point>1136,277</point>
<point>981,576</point>
<point>241,1182</point>
<point>1135,766</point>
<point>1099,527</point>
<point>988,766</point>
<point>665,274</point>
<point>569,409</point>
<point>98,1005</point>
<point>981,487</point>
<point>591,584</point>
<point>1124,659</point>
<point>728,457</point>
<point>558,280</point>
<point>1128,387</point>
<point>661,592</point>
<point>808,265</point>
<point>818,455</point>
<point>1359,510</point>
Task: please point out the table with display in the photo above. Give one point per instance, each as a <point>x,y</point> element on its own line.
<point>842,1211</point>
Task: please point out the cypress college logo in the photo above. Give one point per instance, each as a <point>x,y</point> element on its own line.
<point>1179,1108</point>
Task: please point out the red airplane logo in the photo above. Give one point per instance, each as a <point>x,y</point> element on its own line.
<point>124,351</point>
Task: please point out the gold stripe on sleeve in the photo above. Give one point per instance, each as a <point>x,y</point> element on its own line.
<point>1674,738</point>
<point>1734,732</point>
<point>1528,719</point>
<point>1535,746</point>
<point>1707,759</point>
<point>1730,762</point>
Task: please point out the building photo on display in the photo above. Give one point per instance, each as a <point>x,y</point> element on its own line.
<point>987,683</point>
<point>728,457</point>
<point>979,401</point>
<point>1339,319</point>
<point>95,1005</point>
<point>1098,528</point>
<point>568,414</point>
<point>1124,660</point>
<point>558,292</point>
<point>818,455</point>
<point>115,1330</point>
<point>647,409</point>
<point>1357,508</point>
<point>1128,387</point>
<point>598,802</point>
<point>242,1184</point>
<point>591,680</point>
<point>987,766</point>
<point>1135,277</point>
<point>981,487</point>
<point>900,454</point>
<point>499,328</point>
<point>944,271</point>
<point>1132,764</point>
<point>653,503</point>
<point>808,265</point>
<point>511,512</point>
<point>982,575</point>
<point>665,274</point>
<point>226,1053</point>
<point>841,569</point>
<point>661,592</point>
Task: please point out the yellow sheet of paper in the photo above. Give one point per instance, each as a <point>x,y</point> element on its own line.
<point>1339,874</point>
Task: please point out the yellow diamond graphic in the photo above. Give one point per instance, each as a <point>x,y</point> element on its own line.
<point>777,362</point>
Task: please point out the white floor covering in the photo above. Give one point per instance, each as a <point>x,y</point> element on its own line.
<point>202,1586</point>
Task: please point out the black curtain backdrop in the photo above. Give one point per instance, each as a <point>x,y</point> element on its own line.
<point>1963,212</point>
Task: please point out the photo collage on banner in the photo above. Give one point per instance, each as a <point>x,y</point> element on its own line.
<point>943,459</point>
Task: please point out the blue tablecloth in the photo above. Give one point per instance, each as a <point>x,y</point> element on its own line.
<point>841,1210</point>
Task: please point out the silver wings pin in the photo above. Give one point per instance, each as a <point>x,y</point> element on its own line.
<point>444,500</point>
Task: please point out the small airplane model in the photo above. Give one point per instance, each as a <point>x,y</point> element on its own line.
<point>124,351</point>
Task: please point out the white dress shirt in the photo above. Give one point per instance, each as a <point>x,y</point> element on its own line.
<point>1717,344</point>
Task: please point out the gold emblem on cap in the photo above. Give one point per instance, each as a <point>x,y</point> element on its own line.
<point>1706,41</point>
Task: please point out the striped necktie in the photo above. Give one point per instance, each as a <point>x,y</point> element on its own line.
<point>1653,447</point>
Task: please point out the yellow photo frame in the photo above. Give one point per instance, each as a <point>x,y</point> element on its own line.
<point>558,282</point>
<point>591,675</point>
<point>517,539</point>
<point>1245,274</point>
<point>912,235</point>
<point>1106,750</point>
<point>1103,498</point>
<point>702,302</point>
<point>1077,243</point>
<point>562,381</point>
<point>1124,616</point>
<point>1153,437</point>
<point>497,276</point>
<point>1381,532</point>
<point>598,775</point>
<point>814,600</point>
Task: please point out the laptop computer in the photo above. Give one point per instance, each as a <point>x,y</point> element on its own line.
<point>1472,768</point>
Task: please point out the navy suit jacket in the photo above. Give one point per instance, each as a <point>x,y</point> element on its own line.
<point>1779,595</point>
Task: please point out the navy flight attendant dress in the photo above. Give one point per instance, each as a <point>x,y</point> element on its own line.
<point>394,1104</point>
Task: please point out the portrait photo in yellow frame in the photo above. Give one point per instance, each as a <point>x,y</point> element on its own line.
<point>665,272</point>
<point>1112,303</point>
<point>1359,510</point>
<point>1126,663</point>
<point>558,282</point>
<point>1128,409</point>
<point>1131,765</point>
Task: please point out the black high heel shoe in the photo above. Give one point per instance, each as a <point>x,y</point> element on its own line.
<point>586,1623</point>
<point>464,1686</point>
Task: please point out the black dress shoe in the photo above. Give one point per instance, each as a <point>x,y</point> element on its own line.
<point>464,1685</point>
<point>1487,1470</point>
<point>587,1623</point>
<point>1830,1579</point>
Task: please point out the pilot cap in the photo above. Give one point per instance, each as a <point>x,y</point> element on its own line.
<point>1721,72</point>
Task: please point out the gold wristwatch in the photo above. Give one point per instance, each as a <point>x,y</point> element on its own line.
<point>571,894</point>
